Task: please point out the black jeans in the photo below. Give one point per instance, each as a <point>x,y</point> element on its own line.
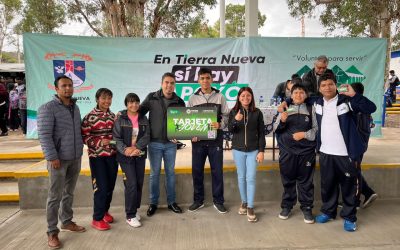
<point>215,157</point>
<point>104,173</point>
<point>133,174</point>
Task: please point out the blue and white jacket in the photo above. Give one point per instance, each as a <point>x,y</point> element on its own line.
<point>346,108</point>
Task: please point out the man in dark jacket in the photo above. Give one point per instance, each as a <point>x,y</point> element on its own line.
<point>311,80</point>
<point>59,129</point>
<point>341,148</point>
<point>160,147</point>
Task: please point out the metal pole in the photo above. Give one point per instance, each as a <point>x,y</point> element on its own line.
<point>222,33</point>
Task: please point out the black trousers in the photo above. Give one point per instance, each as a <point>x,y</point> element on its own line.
<point>297,171</point>
<point>14,119</point>
<point>339,171</point>
<point>133,174</point>
<point>3,121</point>
<point>215,157</point>
<point>104,172</point>
<point>23,117</point>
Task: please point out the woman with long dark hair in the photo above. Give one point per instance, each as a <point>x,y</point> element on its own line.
<point>247,125</point>
<point>97,129</point>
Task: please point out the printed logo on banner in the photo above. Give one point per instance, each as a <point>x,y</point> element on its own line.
<point>73,69</point>
<point>350,75</point>
<point>73,66</point>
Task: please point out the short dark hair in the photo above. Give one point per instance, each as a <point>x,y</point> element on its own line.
<point>59,78</point>
<point>299,86</point>
<point>392,71</point>
<point>131,97</point>
<point>295,76</point>
<point>297,80</point>
<point>103,91</point>
<point>358,87</point>
<point>203,71</point>
<point>167,74</point>
<point>327,76</point>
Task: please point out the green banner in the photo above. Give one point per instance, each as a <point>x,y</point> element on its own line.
<point>186,123</point>
<point>136,65</point>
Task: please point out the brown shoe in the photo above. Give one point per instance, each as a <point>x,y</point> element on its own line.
<point>72,227</point>
<point>53,242</point>
<point>243,209</point>
<point>251,216</point>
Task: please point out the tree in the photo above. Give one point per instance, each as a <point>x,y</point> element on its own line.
<point>138,18</point>
<point>8,11</point>
<point>43,16</point>
<point>359,18</point>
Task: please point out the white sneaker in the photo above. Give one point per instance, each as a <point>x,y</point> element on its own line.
<point>134,222</point>
<point>138,217</point>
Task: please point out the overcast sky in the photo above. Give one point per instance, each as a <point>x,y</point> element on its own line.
<point>278,24</point>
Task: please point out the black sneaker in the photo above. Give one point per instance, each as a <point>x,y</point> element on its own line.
<point>368,200</point>
<point>284,215</point>
<point>308,217</point>
<point>195,206</point>
<point>175,208</point>
<point>220,208</point>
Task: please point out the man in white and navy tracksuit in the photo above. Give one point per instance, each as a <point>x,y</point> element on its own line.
<point>341,148</point>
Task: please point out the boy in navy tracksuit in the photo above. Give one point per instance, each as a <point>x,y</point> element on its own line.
<point>296,131</point>
<point>341,148</point>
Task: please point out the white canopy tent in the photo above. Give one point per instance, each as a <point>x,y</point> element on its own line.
<point>12,67</point>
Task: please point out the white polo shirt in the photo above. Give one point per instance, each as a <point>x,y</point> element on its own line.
<point>332,141</point>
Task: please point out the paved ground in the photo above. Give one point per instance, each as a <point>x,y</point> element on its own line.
<point>206,229</point>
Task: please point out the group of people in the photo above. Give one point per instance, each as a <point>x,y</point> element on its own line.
<point>320,117</point>
<point>12,105</point>
<point>306,123</point>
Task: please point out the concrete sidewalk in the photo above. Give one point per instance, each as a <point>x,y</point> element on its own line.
<point>207,229</point>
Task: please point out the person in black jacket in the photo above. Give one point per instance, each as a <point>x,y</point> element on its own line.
<point>247,125</point>
<point>132,134</point>
<point>311,80</point>
<point>296,130</point>
<point>160,147</point>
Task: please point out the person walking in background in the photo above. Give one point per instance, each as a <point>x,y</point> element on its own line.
<point>296,130</point>
<point>247,125</point>
<point>132,135</point>
<point>13,116</point>
<point>22,105</point>
<point>4,98</point>
<point>97,129</point>
<point>59,130</point>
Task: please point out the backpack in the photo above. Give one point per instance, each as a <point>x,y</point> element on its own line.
<point>364,123</point>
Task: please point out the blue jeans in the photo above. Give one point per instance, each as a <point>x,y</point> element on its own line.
<point>162,151</point>
<point>246,166</point>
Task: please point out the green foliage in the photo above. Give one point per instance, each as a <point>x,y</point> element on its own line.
<point>234,23</point>
<point>43,16</point>
<point>9,57</point>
